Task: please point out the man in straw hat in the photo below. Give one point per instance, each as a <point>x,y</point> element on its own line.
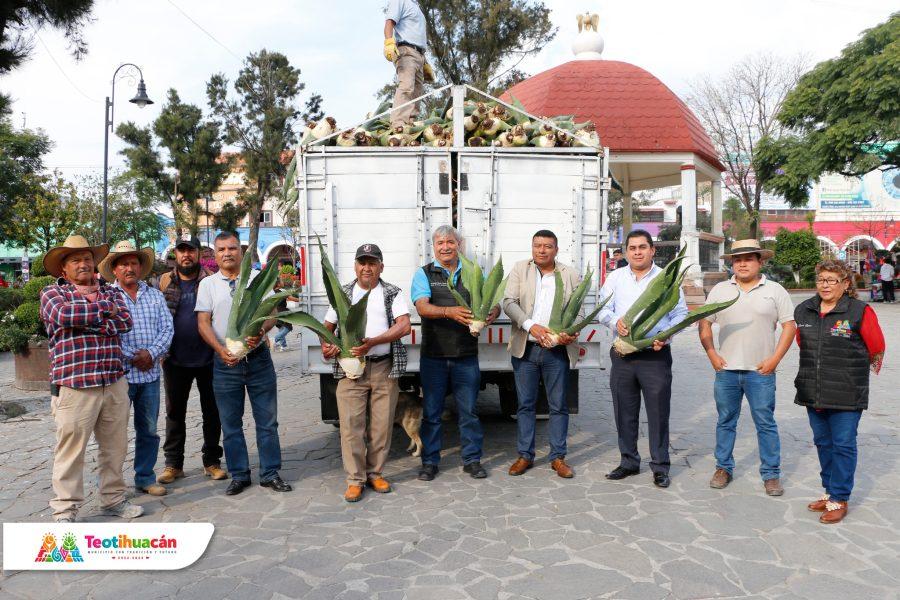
<point>746,360</point>
<point>142,348</point>
<point>84,320</point>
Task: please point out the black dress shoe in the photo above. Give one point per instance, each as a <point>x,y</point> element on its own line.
<point>276,484</point>
<point>621,473</point>
<point>661,480</point>
<point>236,487</point>
<point>475,470</point>
<point>427,472</point>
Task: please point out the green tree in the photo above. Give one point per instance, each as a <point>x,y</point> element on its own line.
<point>19,19</point>
<point>736,220</point>
<point>229,217</point>
<point>47,216</point>
<point>132,205</point>
<point>796,250</point>
<point>21,160</point>
<point>481,41</point>
<point>846,115</point>
<point>260,121</point>
<point>193,147</point>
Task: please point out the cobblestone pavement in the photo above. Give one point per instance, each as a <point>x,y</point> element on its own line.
<point>534,536</point>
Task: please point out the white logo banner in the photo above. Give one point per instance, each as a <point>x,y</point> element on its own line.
<point>103,546</point>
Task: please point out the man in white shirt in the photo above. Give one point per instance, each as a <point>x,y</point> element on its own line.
<point>746,360</point>
<point>528,302</point>
<point>404,45</point>
<point>886,277</point>
<point>365,449</point>
<point>648,372</point>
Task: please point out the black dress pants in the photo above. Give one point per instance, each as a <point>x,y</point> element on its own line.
<point>178,381</point>
<point>648,373</point>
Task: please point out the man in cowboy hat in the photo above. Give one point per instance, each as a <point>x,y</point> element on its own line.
<point>142,348</point>
<point>190,359</point>
<point>84,320</point>
<point>746,360</point>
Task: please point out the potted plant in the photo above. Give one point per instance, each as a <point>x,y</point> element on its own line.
<point>23,334</point>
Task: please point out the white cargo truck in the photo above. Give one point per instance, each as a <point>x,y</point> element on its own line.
<point>497,198</point>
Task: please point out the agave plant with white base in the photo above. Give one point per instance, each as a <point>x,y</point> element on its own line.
<point>484,294</point>
<point>655,302</point>
<point>250,306</point>
<point>564,315</point>
<point>351,321</point>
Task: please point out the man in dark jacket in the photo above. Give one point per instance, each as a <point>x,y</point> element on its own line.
<point>189,359</point>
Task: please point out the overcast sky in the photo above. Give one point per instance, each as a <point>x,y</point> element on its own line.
<point>337,45</point>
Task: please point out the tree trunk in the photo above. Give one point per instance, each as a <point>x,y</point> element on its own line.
<point>255,210</point>
<point>796,276</point>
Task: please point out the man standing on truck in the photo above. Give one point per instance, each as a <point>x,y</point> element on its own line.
<point>365,449</point>
<point>449,355</point>
<point>648,372</point>
<point>404,45</point>
<point>528,302</point>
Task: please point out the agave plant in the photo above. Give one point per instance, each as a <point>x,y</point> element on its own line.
<point>351,321</point>
<point>249,305</point>
<point>564,315</point>
<point>484,294</point>
<point>656,301</point>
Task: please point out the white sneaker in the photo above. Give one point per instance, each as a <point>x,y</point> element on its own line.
<point>124,509</point>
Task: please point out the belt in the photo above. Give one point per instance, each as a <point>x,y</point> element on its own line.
<point>375,359</point>
<point>413,46</point>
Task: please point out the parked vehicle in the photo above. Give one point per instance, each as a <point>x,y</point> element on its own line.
<point>497,198</point>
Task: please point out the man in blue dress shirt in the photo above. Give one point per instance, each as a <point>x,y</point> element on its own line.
<point>648,372</point>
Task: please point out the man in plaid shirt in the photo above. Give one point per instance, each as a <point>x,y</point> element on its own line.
<point>84,319</point>
<point>142,348</point>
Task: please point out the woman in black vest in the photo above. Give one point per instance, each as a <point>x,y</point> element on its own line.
<point>840,341</point>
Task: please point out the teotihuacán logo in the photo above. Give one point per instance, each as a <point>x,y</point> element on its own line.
<point>102,546</point>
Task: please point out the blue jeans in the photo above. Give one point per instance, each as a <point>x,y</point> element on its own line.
<point>281,337</point>
<point>553,366</point>
<point>145,400</point>
<point>729,390</point>
<point>463,377</point>
<point>834,433</point>
<point>255,374</point>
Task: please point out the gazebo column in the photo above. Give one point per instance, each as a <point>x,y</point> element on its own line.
<point>626,214</point>
<point>689,234</point>
<point>717,216</point>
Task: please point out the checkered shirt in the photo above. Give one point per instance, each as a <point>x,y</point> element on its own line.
<point>84,336</point>
<point>152,331</point>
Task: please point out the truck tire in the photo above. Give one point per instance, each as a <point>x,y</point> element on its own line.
<point>509,400</point>
<point>328,399</point>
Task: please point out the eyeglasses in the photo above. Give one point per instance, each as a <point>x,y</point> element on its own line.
<point>829,281</point>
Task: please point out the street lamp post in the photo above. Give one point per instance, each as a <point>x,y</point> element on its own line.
<point>142,100</point>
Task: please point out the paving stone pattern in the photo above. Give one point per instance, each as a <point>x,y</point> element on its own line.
<point>534,536</point>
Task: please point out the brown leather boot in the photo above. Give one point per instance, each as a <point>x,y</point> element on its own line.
<point>169,475</point>
<point>720,479</point>
<point>354,493</point>
<point>773,487</point>
<point>379,484</point>
<point>834,512</point>
<point>818,505</point>
<point>562,469</point>
<point>520,466</point>
<point>216,472</point>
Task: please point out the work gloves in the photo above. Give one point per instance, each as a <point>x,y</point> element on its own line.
<point>390,50</point>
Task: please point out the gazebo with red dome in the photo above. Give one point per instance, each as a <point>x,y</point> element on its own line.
<point>654,139</point>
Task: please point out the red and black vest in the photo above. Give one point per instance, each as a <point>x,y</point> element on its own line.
<point>834,359</point>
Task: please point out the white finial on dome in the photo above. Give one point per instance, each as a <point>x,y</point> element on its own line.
<point>588,44</point>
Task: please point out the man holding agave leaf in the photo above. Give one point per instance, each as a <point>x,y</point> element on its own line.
<point>449,354</point>
<point>647,372</point>
<point>242,364</point>
<point>647,309</point>
<point>540,295</point>
<point>365,449</point>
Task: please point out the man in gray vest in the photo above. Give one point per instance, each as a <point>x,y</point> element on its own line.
<point>449,355</point>
<point>374,394</point>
